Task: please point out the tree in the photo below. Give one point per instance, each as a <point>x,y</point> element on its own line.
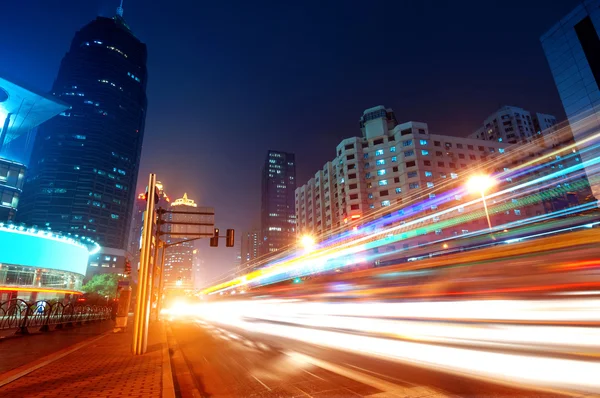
<point>102,285</point>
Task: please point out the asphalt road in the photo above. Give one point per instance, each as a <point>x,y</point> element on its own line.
<point>210,360</point>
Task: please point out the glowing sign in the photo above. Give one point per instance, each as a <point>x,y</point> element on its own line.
<point>41,251</point>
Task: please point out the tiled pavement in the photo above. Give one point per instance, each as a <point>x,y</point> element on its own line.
<point>104,367</point>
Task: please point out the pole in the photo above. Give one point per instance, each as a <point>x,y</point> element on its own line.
<point>156,270</point>
<point>142,307</point>
<point>161,282</point>
<point>486,210</point>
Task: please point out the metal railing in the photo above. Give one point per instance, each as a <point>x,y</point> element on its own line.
<point>21,315</point>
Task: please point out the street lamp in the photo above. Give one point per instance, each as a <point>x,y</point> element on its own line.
<point>308,242</point>
<point>481,183</point>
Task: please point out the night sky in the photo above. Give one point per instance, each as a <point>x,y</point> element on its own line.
<point>230,79</point>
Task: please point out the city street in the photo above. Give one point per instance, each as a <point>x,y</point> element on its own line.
<point>226,361</point>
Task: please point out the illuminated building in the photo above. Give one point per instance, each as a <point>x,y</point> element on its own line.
<point>277,216</point>
<point>85,161</point>
<point>179,259</point>
<point>391,164</point>
<point>39,264</point>
<point>21,111</point>
<point>572,47</point>
<point>511,124</point>
<point>250,246</point>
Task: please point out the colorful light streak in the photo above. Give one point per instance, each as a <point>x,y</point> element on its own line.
<point>374,234</point>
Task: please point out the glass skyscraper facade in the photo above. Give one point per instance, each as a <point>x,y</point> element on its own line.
<point>572,48</point>
<point>278,218</point>
<point>84,163</point>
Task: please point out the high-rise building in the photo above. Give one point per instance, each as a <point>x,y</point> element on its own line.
<point>277,218</point>
<point>572,48</point>
<point>85,161</point>
<point>179,259</point>
<point>21,111</point>
<point>511,124</point>
<point>250,246</point>
<point>389,167</point>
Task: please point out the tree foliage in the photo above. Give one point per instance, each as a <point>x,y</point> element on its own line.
<point>103,285</point>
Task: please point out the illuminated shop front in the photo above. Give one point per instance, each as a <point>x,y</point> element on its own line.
<point>39,265</point>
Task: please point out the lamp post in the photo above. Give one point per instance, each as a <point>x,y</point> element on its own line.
<point>481,183</point>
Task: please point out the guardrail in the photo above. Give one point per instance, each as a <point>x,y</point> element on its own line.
<point>19,314</point>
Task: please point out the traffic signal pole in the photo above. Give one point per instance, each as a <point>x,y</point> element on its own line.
<point>142,307</point>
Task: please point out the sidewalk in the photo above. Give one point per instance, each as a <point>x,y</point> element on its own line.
<point>101,366</point>
<point>16,351</point>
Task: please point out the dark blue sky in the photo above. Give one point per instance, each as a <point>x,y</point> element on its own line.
<point>230,79</point>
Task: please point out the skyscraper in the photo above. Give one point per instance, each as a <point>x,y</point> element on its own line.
<point>572,48</point>
<point>250,246</point>
<point>85,161</point>
<point>278,219</point>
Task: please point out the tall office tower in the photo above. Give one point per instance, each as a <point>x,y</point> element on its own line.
<point>179,259</point>
<point>511,124</point>
<point>572,48</point>
<point>250,246</point>
<point>85,161</point>
<point>277,215</point>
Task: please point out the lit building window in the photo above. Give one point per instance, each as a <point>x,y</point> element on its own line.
<point>379,152</point>
<point>517,212</point>
<point>424,152</point>
<point>380,162</point>
<point>394,159</point>
<point>398,190</point>
<point>423,142</point>
<point>407,143</point>
<point>368,175</point>
<point>382,182</point>
<point>430,185</point>
<point>453,175</point>
<point>114,216</point>
<point>428,174</point>
<point>381,172</point>
<point>409,153</point>
<point>393,149</point>
<point>501,150</point>
<point>413,185</point>
<point>385,203</point>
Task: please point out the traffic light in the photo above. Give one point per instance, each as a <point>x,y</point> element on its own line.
<point>214,241</point>
<point>230,238</point>
<point>127,267</point>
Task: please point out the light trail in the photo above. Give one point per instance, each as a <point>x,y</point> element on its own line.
<point>547,356</point>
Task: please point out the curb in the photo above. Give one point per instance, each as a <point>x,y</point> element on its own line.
<point>168,386</point>
<point>12,375</point>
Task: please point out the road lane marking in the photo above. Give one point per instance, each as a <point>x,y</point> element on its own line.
<point>314,375</point>
<point>263,346</point>
<point>264,385</point>
<point>381,374</point>
<point>390,389</point>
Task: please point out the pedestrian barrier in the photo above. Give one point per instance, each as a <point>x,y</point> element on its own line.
<point>21,315</point>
